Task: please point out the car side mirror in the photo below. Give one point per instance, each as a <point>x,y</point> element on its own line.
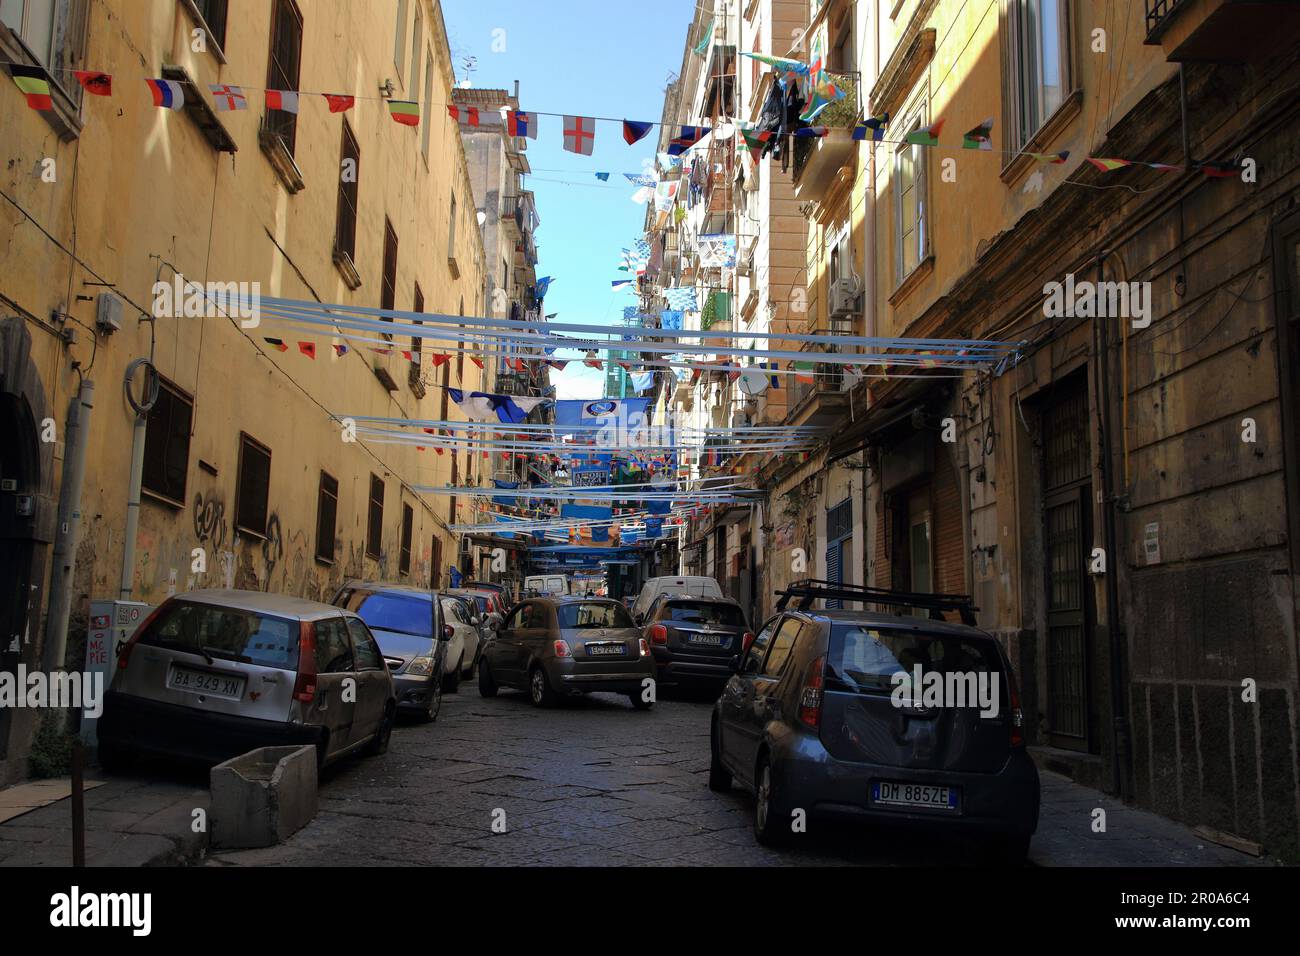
<point>447,632</point>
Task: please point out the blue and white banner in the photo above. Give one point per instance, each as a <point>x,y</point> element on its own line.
<point>485,407</point>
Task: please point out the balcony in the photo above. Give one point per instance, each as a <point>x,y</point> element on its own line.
<point>819,159</point>
<point>1221,31</point>
<point>821,402</point>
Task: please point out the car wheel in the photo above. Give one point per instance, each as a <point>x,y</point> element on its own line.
<point>719,776</point>
<point>435,702</point>
<point>379,743</point>
<point>639,702</point>
<point>1009,850</point>
<point>771,820</point>
<point>487,687</point>
<point>451,679</point>
<point>539,688</point>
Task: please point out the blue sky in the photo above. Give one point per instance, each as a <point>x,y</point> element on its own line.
<point>584,58</point>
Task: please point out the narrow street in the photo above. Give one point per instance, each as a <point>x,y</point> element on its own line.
<point>591,783</point>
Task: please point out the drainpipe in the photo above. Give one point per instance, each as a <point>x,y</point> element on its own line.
<point>137,469</point>
<point>76,436</point>
<point>1119,711</point>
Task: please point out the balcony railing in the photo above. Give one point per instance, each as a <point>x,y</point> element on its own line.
<point>1160,10</point>
<point>841,114</point>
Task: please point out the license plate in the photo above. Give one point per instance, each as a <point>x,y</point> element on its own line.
<point>914,795</point>
<point>605,650</point>
<point>709,640</point>
<point>206,682</point>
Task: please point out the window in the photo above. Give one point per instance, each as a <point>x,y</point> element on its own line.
<point>754,659</point>
<point>781,648</point>
<point>213,13</point>
<point>417,343</point>
<point>428,108</point>
<point>253,486</point>
<point>414,85</point>
<point>395,611</point>
<point>327,509</point>
<point>367,650</point>
<point>345,232</point>
<point>333,648</point>
<point>388,292</point>
<point>404,555</point>
<point>167,443</point>
<point>34,22</point>
<point>51,33</point>
<point>226,634</point>
<point>375,518</point>
<point>451,237</point>
<point>399,49</point>
<point>593,616</point>
<point>909,205</point>
<point>1038,50</point>
<point>282,70</point>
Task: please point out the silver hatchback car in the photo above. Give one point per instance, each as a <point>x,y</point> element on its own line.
<point>212,674</point>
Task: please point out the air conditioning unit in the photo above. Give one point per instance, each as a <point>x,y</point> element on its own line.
<point>844,297</point>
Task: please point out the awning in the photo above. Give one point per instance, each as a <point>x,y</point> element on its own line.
<point>889,411</point>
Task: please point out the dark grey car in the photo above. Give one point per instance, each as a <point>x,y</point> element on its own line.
<point>816,718</point>
<point>555,646</point>
<point>696,640</point>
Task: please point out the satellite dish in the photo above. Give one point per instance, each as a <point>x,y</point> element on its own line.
<point>753,381</point>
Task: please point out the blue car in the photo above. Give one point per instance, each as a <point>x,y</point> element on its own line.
<point>877,718</point>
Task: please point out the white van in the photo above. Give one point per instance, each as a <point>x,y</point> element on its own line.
<point>554,584</point>
<point>694,586</point>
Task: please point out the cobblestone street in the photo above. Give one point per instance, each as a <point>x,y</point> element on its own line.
<point>592,782</point>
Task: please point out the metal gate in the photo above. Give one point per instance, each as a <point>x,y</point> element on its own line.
<point>1067,533</point>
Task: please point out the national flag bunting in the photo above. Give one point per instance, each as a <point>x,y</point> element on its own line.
<point>94,82</point>
<point>1107,165</point>
<point>872,128</point>
<point>926,135</point>
<point>1219,170</point>
<point>634,131</point>
<point>35,86</point>
<point>308,349</point>
<point>804,372</point>
<point>167,94</point>
<point>1054,158</point>
<point>226,97</point>
<point>464,115</point>
<point>579,134</point>
<point>981,137</point>
<point>339,102</point>
<point>519,123</point>
<point>286,101</point>
<point>688,137</point>
<point>406,112</point>
<point>340,349</point>
<point>277,344</point>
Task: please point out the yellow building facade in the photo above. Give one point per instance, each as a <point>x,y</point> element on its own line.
<point>247,478</point>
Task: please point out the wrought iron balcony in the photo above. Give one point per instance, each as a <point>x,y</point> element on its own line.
<point>1221,31</point>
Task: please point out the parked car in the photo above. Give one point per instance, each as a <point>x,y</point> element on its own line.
<point>213,674</point>
<point>402,619</point>
<point>505,597</point>
<point>694,640</point>
<point>813,720</point>
<point>686,584</point>
<point>487,604</point>
<point>548,584</point>
<point>556,646</point>
<point>461,614</point>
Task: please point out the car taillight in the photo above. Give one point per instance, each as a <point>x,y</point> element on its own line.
<point>810,698</point>
<point>124,654</point>
<point>745,642</point>
<point>645,647</point>
<point>304,688</point>
<point>658,634</point>
<point>1017,716</point>
<point>562,649</point>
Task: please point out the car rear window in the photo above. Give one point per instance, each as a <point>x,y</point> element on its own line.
<point>593,614</point>
<point>704,612</point>
<point>866,658</point>
<point>226,633</point>
<point>399,613</point>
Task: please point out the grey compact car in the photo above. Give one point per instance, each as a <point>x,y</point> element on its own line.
<point>556,646</point>
<point>878,718</point>
<point>212,674</point>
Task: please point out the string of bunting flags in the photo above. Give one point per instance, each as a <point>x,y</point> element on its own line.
<point>579,132</point>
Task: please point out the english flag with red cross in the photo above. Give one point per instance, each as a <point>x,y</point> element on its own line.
<point>579,134</point>
<point>226,97</point>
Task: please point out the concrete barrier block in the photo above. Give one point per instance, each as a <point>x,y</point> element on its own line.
<point>262,797</point>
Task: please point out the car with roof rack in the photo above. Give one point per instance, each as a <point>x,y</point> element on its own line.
<point>880,718</point>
